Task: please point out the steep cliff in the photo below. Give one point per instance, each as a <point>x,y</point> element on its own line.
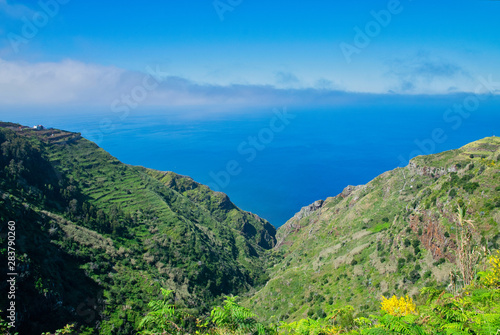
<point>393,235</point>
<point>96,239</point>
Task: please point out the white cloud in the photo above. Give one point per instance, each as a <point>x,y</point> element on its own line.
<point>55,83</point>
<point>75,83</point>
<point>72,82</point>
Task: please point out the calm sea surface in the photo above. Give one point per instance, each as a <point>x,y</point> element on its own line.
<point>270,162</point>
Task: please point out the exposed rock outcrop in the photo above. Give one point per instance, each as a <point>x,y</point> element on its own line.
<point>430,171</point>
<point>308,210</point>
<point>293,225</point>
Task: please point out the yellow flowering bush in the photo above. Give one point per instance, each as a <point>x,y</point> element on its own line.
<point>399,307</point>
<point>491,278</point>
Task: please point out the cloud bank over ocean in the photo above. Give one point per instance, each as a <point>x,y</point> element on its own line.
<point>71,82</point>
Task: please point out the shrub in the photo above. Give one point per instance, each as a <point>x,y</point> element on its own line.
<point>398,306</point>
<point>401,263</point>
<point>416,250</point>
<point>414,276</point>
<point>439,262</point>
<point>492,277</point>
<point>453,193</point>
<point>320,313</point>
<point>471,187</point>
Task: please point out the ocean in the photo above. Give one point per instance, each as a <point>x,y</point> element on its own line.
<point>273,160</point>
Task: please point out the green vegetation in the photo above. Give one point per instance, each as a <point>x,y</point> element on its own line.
<point>97,239</point>
<point>475,309</point>
<point>393,236</point>
<point>104,247</point>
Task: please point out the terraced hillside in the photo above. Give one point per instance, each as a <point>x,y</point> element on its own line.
<point>394,235</point>
<point>96,239</point>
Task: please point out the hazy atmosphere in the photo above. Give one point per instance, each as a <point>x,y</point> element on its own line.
<point>250,167</point>
<point>98,68</point>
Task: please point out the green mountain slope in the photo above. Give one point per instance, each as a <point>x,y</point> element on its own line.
<point>96,239</point>
<point>394,235</point>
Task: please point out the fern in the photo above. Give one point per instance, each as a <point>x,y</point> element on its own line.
<point>377,331</point>
<point>161,317</point>
<point>402,325</point>
<point>432,293</point>
<point>235,318</point>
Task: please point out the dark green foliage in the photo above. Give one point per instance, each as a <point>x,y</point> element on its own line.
<point>401,263</point>
<point>321,313</point>
<point>416,251</point>
<point>414,276</point>
<point>410,258</point>
<point>234,318</point>
<point>115,234</point>
<point>471,187</point>
<point>453,193</point>
<point>439,262</point>
<point>99,230</point>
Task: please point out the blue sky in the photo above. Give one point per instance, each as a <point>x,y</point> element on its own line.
<point>242,52</point>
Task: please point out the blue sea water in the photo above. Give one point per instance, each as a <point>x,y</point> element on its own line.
<point>313,155</point>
